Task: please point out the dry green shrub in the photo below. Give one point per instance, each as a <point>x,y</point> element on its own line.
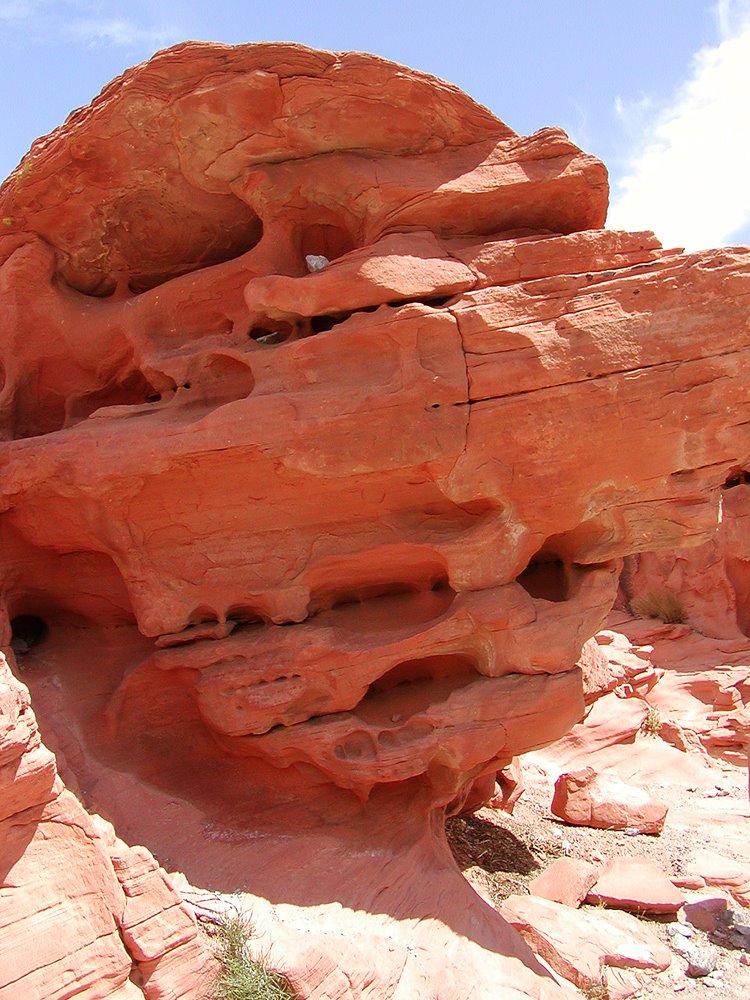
<point>595,991</point>
<point>662,604</point>
<point>241,978</point>
<point>652,723</point>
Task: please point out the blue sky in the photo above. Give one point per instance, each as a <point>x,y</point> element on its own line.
<point>659,89</point>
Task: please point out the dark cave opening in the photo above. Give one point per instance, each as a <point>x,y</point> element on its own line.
<point>27,631</point>
<point>737,477</point>
<point>546,579</point>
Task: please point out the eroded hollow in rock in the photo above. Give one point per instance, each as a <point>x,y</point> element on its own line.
<point>272,333</point>
<point>414,685</point>
<point>737,477</point>
<point>245,615</point>
<point>201,246</point>
<point>546,579</point>
<point>326,240</point>
<point>132,391</point>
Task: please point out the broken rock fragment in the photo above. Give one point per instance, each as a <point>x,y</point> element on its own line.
<point>588,946</point>
<point>585,798</point>
<point>566,880</point>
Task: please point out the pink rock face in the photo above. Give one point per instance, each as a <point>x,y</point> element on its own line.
<point>636,884</point>
<point>327,412</point>
<point>82,914</point>
<point>710,584</point>
<point>586,798</point>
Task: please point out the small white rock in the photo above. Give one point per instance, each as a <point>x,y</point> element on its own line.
<point>316,262</point>
<point>681,929</point>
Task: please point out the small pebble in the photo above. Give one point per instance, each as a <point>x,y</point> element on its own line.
<point>701,961</point>
<point>682,929</point>
<point>681,946</point>
<point>316,262</point>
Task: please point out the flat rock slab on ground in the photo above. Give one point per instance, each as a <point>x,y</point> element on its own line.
<point>636,884</point>
<point>586,945</point>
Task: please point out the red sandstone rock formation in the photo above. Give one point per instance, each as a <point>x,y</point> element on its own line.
<point>292,556</point>
<point>566,880</point>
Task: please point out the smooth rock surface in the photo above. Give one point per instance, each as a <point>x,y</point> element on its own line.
<point>729,874</point>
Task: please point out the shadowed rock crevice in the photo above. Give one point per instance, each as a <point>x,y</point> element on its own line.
<point>546,579</point>
<point>27,631</point>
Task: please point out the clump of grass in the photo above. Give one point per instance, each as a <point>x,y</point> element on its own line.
<point>595,990</point>
<point>662,604</point>
<point>241,978</point>
<point>652,723</point>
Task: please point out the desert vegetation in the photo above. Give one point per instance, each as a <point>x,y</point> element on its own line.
<point>240,977</point>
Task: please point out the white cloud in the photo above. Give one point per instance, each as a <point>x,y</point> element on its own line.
<point>687,178</point>
<point>16,10</point>
<point>122,32</point>
<point>88,22</point>
<point>729,16</point>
